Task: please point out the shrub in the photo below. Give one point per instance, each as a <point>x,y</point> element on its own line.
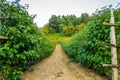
<point>88,46</point>
<point>26,45</point>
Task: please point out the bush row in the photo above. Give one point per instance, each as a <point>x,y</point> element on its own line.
<point>89,47</point>
<point>26,44</point>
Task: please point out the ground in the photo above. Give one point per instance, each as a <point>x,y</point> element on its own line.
<point>58,67</point>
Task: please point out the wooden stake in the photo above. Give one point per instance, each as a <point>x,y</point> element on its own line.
<point>113,49</point>
<point>1,37</point>
<point>114,64</point>
<point>0,26</point>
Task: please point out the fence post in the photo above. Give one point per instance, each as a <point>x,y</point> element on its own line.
<point>114,64</point>
<point>113,49</point>
<point>1,37</point>
<point>0,23</point>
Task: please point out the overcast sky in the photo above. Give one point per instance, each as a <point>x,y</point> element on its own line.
<point>45,8</point>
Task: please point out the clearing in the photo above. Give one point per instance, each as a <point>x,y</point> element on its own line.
<point>58,67</point>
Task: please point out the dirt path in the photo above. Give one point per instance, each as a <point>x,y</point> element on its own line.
<point>58,67</point>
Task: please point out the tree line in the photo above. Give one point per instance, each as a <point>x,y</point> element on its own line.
<point>67,25</point>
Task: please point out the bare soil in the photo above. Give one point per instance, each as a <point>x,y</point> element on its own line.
<point>58,67</point>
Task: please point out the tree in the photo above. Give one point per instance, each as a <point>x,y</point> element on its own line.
<point>84,18</point>
<point>54,22</point>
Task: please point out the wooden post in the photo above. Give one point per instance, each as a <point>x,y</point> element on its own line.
<point>113,49</point>
<point>0,24</point>
<point>113,45</point>
<point>1,37</point>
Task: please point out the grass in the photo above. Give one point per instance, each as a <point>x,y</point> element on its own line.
<point>57,38</point>
<point>59,74</point>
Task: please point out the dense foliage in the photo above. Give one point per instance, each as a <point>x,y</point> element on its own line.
<point>25,46</point>
<point>67,25</point>
<point>88,46</point>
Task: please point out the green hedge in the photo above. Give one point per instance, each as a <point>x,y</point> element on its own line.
<point>88,46</point>
<point>26,44</point>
